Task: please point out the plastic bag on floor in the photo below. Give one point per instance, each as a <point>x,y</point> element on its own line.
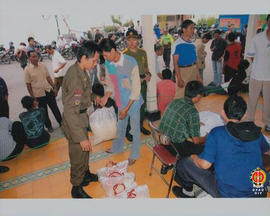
<point>117,185</point>
<point>135,192</point>
<point>113,169</point>
<point>103,123</point>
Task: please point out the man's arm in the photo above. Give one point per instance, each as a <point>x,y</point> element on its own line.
<point>199,140</point>
<point>201,163</point>
<point>30,90</point>
<point>62,66</point>
<point>49,79</point>
<point>180,82</point>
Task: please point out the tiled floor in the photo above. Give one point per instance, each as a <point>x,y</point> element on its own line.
<point>44,172</point>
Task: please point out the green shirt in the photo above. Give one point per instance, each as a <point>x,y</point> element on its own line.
<point>180,120</point>
<point>166,40</point>
<point>141,59</point>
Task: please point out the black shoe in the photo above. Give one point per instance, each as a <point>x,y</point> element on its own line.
<point>129,137</point>
<point>145,131</point>
<point>164,169</point>
<point>3,169</point>
<point>89,177</point>
<point>78,192</point>
<point>178,192</point>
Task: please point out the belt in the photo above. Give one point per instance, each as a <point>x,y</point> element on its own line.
<point>83,111</point>
<point>187,65</point>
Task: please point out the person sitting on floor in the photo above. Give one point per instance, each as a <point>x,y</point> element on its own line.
<point>33,121</point>
<point>13,138</point>
<point>181,122</point>
<point>235,150</point>
<point>234,85</point>
<point>165,90</point>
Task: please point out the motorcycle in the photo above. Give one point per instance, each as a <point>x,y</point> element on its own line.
<point>67,53</point>
<point>4,57</point>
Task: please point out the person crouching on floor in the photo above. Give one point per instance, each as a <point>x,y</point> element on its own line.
<point>235,151</point>
<point>33,121</point>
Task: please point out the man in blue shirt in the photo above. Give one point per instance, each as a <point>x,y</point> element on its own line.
<point>185,59</point>
<point>235,151</point>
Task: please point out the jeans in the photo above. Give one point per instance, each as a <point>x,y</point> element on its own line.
<point>167,57</point>
<point>188,173</point>
<point>135,131</point>
<point>217,68</point>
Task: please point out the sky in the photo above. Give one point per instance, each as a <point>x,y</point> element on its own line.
<point>20,19</point>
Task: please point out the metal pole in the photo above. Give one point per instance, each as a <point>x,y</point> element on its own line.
<point>58,29</point>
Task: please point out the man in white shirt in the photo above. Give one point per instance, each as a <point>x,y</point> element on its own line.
<point>138,28</point>
<point>259,53</point>
<point>58,63</point>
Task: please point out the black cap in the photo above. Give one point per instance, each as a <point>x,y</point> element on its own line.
<point>132,33</point>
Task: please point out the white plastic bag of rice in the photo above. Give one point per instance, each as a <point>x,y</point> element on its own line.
<point>103,123</point>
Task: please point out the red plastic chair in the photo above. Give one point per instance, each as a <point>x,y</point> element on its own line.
<point>165,157</point>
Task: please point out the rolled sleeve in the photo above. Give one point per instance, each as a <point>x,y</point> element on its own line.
<point>27,77</point>
<point>136,84</point>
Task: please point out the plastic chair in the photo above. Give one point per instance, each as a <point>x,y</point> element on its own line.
<point>164,156</point>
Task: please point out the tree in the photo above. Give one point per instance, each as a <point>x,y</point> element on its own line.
<point>116,20</point>
<point>128,23</point>
<point>211,21</point>
<point>110,28</point>
<point>201,21</point>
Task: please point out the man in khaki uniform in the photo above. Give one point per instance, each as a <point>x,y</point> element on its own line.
<point>76,99</point>
<point>141,58</point>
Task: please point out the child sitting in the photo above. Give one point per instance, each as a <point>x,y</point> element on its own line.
<point>165,90</point>
<point>33,121</point>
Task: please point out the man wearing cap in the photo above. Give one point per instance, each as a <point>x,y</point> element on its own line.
<point>185,59</point>
<point>141,58</point>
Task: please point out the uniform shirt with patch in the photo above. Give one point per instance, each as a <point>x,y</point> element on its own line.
<point>76,98</point>
<point>141,59</point>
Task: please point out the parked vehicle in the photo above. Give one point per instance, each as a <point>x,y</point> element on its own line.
<point>4,57</point>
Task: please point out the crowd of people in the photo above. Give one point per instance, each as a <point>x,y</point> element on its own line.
<point>120,79</point>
